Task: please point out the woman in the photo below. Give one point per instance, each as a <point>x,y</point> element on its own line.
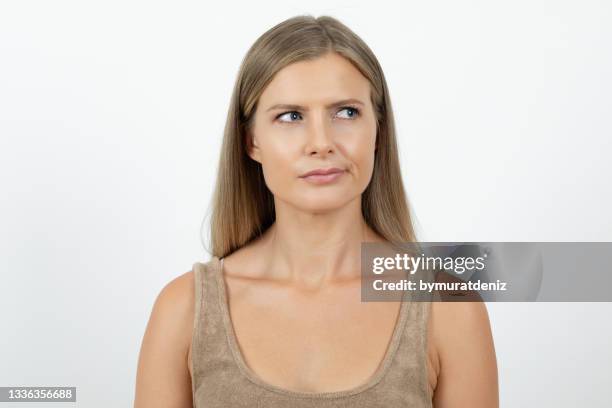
<point>309,169</point>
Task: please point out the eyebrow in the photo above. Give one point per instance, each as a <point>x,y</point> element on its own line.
<point>302,108</point>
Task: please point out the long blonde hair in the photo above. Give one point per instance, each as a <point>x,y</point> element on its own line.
<point>243,206</point>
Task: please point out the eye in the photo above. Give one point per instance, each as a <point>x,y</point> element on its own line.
<point>290,115</point>
<point>352,112</point>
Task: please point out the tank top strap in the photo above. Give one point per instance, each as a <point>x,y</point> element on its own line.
<point>411,359</point>
<point>209,343</point>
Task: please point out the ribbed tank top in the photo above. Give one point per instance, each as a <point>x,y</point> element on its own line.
<point>221,378</point>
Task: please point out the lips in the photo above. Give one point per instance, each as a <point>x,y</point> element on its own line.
<point>322,172</point>
<point>323,176</point>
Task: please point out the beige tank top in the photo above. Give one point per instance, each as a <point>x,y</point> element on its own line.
<point>221,378</point>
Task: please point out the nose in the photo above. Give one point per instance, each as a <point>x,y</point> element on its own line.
<point>320,139</point>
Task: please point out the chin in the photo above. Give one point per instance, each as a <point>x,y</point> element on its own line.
<point>321,202</point>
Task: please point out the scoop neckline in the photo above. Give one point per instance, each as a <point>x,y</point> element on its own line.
<point>379,374</point>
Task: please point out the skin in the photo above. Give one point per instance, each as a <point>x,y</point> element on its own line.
<point>294,292</point>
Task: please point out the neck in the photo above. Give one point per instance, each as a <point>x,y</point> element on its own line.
<point>312,248</point>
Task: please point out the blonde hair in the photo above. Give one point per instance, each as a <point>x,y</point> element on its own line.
<point>243,206</point>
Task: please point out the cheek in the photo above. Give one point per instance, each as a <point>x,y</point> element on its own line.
<point>360,151</point>
<point>278,159</point>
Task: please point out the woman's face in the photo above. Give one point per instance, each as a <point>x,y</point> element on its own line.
<point>313,115</point>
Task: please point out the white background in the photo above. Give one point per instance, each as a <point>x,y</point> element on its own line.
<point>111,117</point>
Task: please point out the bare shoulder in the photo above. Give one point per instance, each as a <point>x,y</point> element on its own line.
<point>460,314</point>
<point>462,355</point>
<point>174,308</point>
<point>247,262</point>
<point>163,377</point>
<point>176,296</point>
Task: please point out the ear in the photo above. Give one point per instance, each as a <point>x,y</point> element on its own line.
<point>376,141</point>
<point>251,146</point>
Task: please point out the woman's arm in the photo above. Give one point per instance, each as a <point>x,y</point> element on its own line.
<point>463,344</point>
<point>163,378</point>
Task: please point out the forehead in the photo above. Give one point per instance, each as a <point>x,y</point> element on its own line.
<point>322,80</point>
